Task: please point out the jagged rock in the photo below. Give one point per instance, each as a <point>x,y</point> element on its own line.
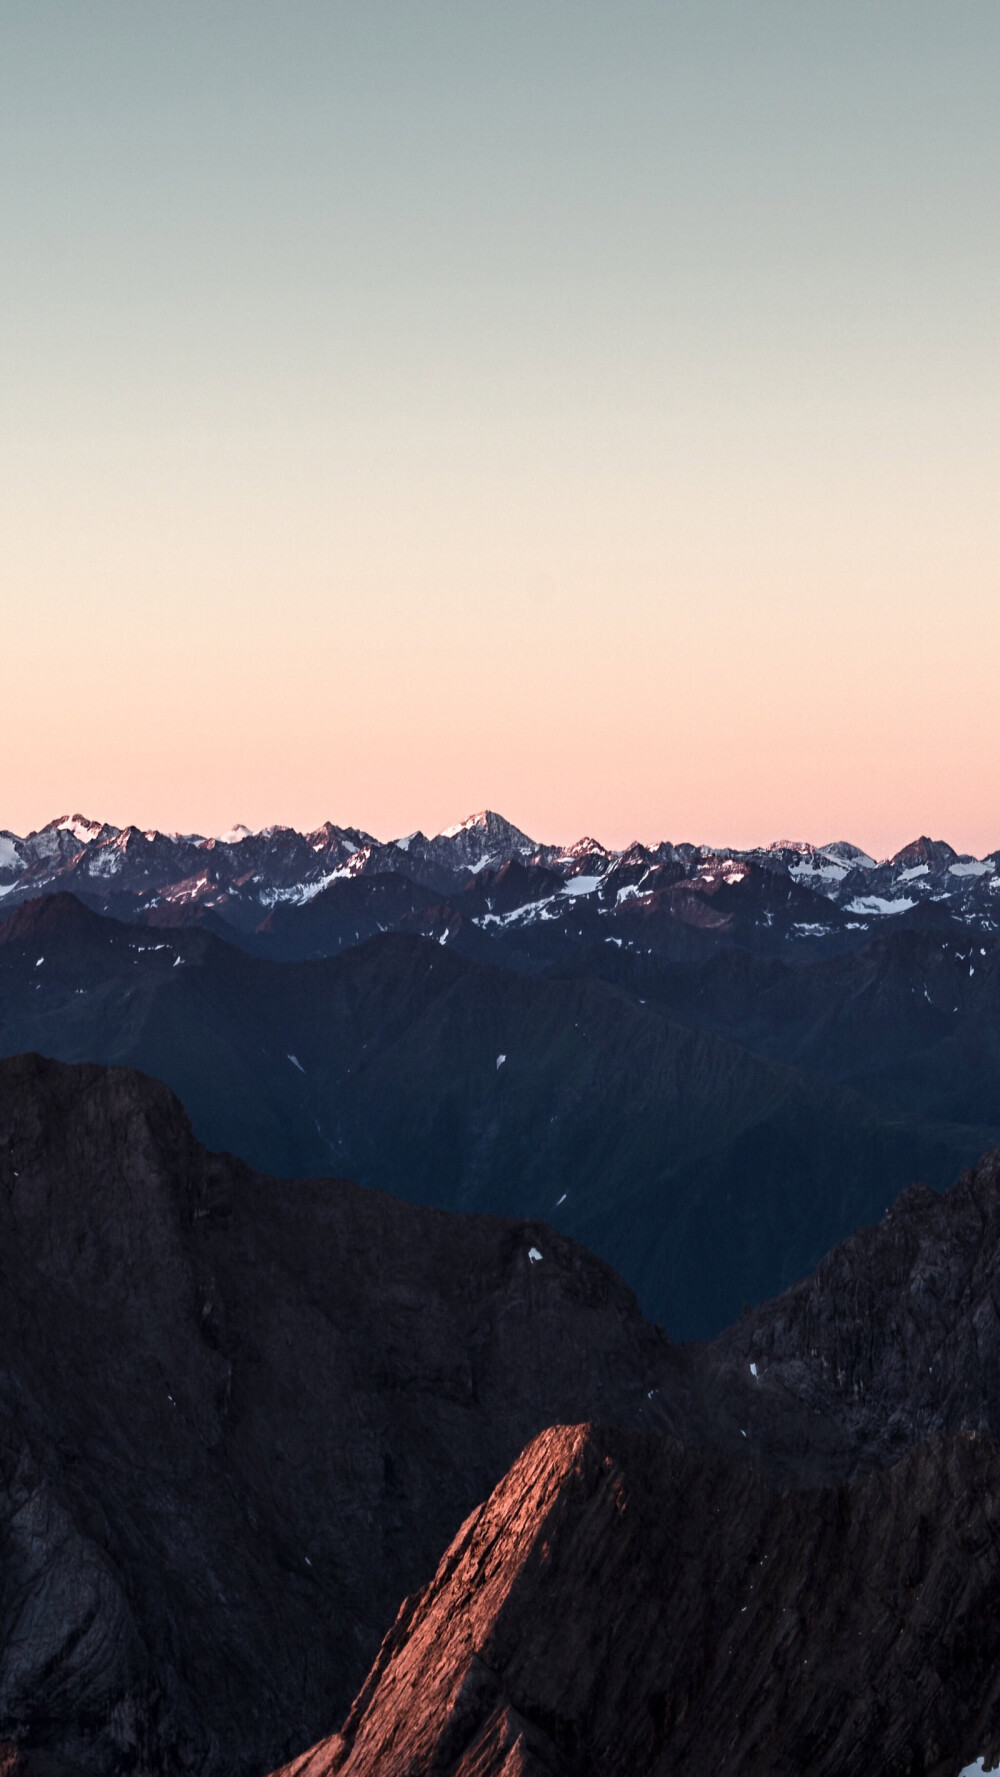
<point>622,1607</point>
<point>240,1417</point>
<point>895,1336</point>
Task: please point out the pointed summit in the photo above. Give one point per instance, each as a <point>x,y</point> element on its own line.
<point>482,840</point>
<point>937,854</point>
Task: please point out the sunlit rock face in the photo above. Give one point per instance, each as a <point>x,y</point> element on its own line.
<point>623,1606</point>
<point>240,1417</point>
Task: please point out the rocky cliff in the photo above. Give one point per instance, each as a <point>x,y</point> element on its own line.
<point>241,1417</point>
<point>622,1607</point>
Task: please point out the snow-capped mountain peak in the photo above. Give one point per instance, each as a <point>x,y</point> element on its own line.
<point>792,890</point>
<point>80,828</point>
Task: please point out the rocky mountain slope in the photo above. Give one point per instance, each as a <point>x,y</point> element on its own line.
<point>707,1175</point>
<point>623,1607</point>
<point>239,1419</point>
<point>894,1338</point>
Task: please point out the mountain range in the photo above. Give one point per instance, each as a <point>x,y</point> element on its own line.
<point>484,884</point>
<point>709,1066</point>
<point>709,1128</point>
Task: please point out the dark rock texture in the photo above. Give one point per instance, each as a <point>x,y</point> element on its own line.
<point>240,1418</point>
<point>622,1607</point>
<point>895,1336</point>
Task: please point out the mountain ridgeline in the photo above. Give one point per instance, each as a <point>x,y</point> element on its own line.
<point>488,887</point>
<point>708,1066</point>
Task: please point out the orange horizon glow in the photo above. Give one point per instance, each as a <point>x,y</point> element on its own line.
<point>588,415</point>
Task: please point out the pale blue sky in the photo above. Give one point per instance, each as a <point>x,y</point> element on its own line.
<point>634,358</point>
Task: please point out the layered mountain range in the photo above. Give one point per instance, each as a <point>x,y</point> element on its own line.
<point>240,1418</point>
<point>489,887</point>
<point>709,1128</point>
<point>242,1415</point>
<point>708,1066</point>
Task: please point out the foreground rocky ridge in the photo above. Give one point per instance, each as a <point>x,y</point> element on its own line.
<point>240,1418</point>
<point>623,1607</point>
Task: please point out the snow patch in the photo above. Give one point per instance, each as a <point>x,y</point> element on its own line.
<point>972,869</point>
<point>534,1255</point>
<point>295,1062</point>
<point>106,861</point>
<point>83,830</point>
<point>500,1061</point>
<point>582,885</point>
<point>843,852</point>
<point>824,872</point>
<point>878,904</point>
<point>525,915</point>
<point>911,875</point>
<point>302,892</point>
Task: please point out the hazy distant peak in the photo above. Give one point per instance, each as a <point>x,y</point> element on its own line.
<point>79,826</point>
<point>488,821</point>
<point>843,852</point>
<point>933,852</point>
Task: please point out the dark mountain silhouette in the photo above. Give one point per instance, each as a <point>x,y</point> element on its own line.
<point>240,1418</point>
<point>627,1606</point>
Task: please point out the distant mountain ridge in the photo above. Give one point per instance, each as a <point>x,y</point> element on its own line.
<point>627,1107</point>
<point>790,893</point>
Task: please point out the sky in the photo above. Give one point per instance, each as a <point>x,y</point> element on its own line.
<point>588,411</point>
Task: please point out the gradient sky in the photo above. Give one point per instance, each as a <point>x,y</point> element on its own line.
<point>590,411</point>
